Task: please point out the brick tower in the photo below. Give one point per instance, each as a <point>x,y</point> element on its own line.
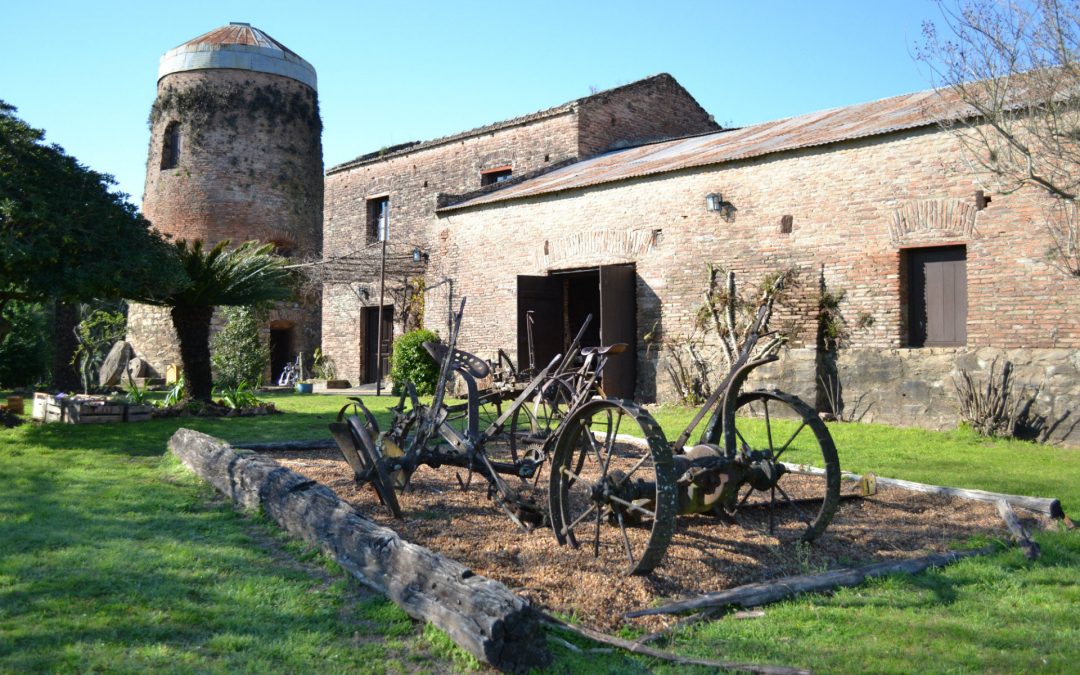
<point>235,153</point>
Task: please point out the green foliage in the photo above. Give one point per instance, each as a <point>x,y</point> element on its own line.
<point>26,348</point>
<point>238,396</point>
<point>64,234</point>
<point>411,362</point>
<point>238,352</point>
<point>177,393</point>
<point>96,334</point>
<point>322,366</point>
<point>249,274</point>
<point>138,395</point>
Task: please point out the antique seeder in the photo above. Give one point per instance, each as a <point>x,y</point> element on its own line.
<point>616,484</point>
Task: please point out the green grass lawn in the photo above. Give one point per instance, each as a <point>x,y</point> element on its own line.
<point>113,557</point>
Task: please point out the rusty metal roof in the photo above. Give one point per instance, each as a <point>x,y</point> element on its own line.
<point>863,120</point>
<point>237,33</point>
<point>237,46</point>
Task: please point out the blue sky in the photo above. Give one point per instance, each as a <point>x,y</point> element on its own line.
<point>391,72</point>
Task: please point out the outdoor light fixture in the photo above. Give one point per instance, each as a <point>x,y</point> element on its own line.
<point>418,255</point>
<point>714,202</point>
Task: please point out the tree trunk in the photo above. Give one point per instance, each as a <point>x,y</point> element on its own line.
<point>64,375</point>
<point>192,324</point>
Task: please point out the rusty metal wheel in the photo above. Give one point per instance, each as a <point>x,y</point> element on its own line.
<point>612,484</point>
<point>532,424</point>
<point>370,448</point>
<point>776,432</point>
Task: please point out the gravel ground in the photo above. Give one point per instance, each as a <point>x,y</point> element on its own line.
<point>705,554</point>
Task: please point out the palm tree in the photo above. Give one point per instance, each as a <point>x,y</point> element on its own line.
<point>246,275</point>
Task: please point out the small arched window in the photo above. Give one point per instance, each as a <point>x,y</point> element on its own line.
<point>170,146</point>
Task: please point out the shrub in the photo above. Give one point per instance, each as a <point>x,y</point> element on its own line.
<point>98,331</point>
<point>411,362</point>
<point>238,352</point>
<point>26,351</point>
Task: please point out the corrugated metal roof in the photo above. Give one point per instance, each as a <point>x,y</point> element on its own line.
<point>888,115</point>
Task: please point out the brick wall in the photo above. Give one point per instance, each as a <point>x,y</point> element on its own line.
<point>420,178</point>
<point>855,206</point>
<point>648,110</point>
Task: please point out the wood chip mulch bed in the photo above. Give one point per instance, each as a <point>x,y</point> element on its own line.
<point>705,555</point>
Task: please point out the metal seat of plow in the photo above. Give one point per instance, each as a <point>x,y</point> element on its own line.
<point>617,348</point>
<point>463,362</point>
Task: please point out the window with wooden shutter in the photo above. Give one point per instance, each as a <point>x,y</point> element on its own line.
<point>937,296</point>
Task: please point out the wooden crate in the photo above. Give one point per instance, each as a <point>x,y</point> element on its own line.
<point>41,402</point>
<point>137,413</point>
<point>81,411</point>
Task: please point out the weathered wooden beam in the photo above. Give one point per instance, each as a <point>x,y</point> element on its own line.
<point>286,446</point>
<point>480,615</point>
<point>754,595</point>
<point>1051,507</point>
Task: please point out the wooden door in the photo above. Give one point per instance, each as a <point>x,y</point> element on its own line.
<point>371,342</point>
<point>937,298</point>
<point>618,323</point>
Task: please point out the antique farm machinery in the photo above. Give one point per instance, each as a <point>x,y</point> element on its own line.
<point>615,484</point>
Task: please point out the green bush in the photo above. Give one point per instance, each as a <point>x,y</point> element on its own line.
<point>26,351</point>
<point>411,362</point>
<point>238,352</point>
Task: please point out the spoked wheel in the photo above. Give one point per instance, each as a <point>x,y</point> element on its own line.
<point>772,428</point>
<point>613,494</point>
<point>533,423</point>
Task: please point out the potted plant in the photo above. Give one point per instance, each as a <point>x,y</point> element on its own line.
<point>303,382</point>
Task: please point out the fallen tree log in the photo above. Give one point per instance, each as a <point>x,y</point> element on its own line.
<point>754,595</point>
<point>480,615</point>
<point>1050,507</point>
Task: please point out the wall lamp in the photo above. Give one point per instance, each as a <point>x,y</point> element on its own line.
<point>715,202</point>
<point>418,255</point>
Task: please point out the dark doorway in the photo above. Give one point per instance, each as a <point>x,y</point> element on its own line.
<point>937,296</point>
<point>558,304</point>
<point>371,341</point>
<point>281,351</point>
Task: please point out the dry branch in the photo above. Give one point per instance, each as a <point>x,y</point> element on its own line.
<point>639,648</point>
<point>754,595</point>
<point>1019,534</point>
<point>481,616</point>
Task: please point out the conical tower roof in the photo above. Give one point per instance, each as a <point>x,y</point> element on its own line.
<point>238,46</point>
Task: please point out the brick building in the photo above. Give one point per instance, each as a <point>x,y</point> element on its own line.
<point>871,202</point>
<point>407,183</point>
<point>235,153</point>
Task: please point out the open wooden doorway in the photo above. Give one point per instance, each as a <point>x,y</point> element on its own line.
<point>281,348</point>
<point>558,304</point>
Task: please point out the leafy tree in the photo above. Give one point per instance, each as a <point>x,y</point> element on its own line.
<point>239,353</point>
<point>96,334</point>
<point>63,234</point>
<point>246,275</point>
<point>1016,66</point>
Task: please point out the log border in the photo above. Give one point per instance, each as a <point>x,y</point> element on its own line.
<point>480,615</point>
